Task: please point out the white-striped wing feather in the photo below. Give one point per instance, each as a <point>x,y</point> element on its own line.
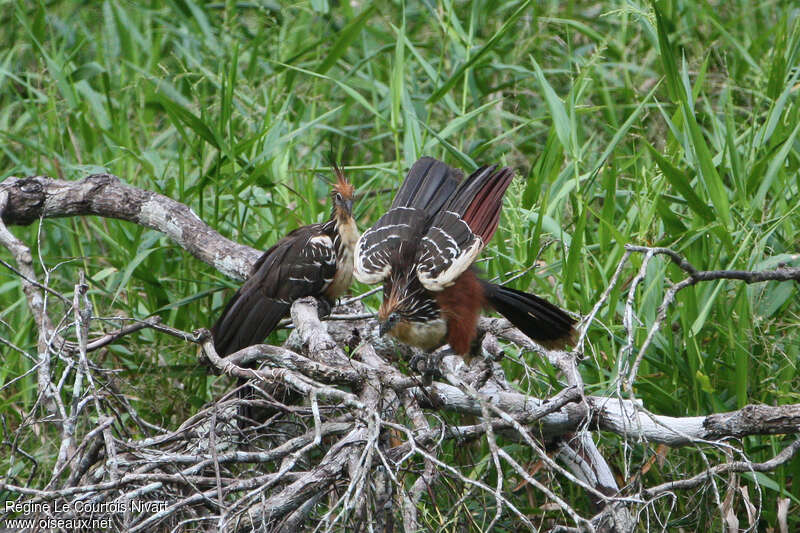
<point>379,246</point>
<point>446,251</point>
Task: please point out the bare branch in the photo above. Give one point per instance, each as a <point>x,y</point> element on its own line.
<point>748,276</point>
<point>365,442</point>
<point>32,198</point>
<point>783,457</point>
<point>36,302</point>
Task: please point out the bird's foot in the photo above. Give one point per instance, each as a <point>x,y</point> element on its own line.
<point>433,397</point>
<point>324,307</point>
<point>416,359</point>
<point>480,372</point>
<point>427,365</point>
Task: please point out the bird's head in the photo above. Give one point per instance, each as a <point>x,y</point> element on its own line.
<point>389,315</point>
<point>342,194</point>
<point>388,324</point>
<point>394,309</point>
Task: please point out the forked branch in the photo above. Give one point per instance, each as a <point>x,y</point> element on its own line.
<point>345,435</point>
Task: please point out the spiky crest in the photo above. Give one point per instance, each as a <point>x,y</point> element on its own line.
<point>342,186</point>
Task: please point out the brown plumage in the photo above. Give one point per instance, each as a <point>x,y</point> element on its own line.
<point>461,305</point>
<point>422,250</point>
<point>314,260</point>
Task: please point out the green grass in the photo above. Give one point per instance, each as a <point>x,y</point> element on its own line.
<point>674,128</point>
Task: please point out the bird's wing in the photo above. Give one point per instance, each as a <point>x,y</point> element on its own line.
<point>313,269</point>
<point>427,187</point>
<point>395,234</point>
<point>301,264</point>
<point>462,228</point>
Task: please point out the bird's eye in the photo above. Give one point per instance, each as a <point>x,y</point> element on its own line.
<point>338,197</point>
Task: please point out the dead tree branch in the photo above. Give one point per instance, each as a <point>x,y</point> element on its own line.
<point>367,444</point>
<point>39,197</point>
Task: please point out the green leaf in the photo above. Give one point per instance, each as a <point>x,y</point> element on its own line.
<point>184,301</point>
<point>776,109</point>
<point>708,171</point>
<point>668,59</point>
<point>778,162</point>
<point>460,122</point>
<point>181,115</point>
<point>575,252</point>
<point>130,267</point>
<point>621,132</point>
<point>346,36</point>
<point>466,161</point>
<point>681,93</point>
<point>705,382</point>
<point>397,84</point>
<point>86,72</point>
<point>355,95</point>
<point>677,178</point>
<point>557,111</point>
<point>486,48</point>
<point>702,316</point>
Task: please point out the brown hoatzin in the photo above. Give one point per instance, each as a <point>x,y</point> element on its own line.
<point>314,260</point>
<point>422,250</point>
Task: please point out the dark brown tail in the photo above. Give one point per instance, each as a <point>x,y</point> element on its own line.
<point>479,199</point>
<point>428,186</point>
<point>537,318</point>
<point>246,320</point>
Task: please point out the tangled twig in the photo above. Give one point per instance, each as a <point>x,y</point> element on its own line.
<point>361,442</point>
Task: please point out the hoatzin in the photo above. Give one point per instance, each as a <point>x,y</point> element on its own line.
<point>422,250</point>
<point>314,260</point>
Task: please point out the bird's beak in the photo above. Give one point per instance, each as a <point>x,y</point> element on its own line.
<point>383,328</point>
<point>348,205</point>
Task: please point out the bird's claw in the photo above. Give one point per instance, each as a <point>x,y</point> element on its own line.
<point>480,372</point>
<point>416,358</point>
<point>324,307</point>
<point>427,365</point>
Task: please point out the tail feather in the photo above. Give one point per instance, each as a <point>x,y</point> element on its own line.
<point>537,318</point>
<point>469,188</point>
<point>247,319</point>
<point>250,315</point>
<point>428,185</point>
<point>479,199</point>
<point>483,213</point>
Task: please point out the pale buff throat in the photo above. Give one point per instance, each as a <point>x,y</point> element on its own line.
<point>424,335</point>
